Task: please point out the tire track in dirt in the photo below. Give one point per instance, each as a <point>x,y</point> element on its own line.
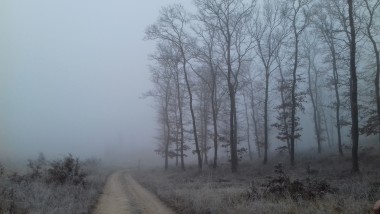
<point>122,194</point>
<point>113,199</point>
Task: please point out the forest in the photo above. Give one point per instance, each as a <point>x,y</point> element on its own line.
<point>244,78</point>
<point>250,106</point>
<point>277,101</point>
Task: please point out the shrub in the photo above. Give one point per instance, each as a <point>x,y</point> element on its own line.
<point>281,187</point>
<point>53,187</point>
<point>252,193</point>
<point>37,166</point>
<point>2,170</point>
<point>17,178</point>
<point>66,171</point>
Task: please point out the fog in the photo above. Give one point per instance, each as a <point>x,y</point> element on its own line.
<point>72,77</point>
<point>72,74</point>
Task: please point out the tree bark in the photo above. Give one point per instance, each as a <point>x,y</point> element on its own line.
<point>176,139</point>
<point>205,130</point>
<point>257,138</point>
<point>167,137</point>
<point>286,127</point>
<point>214,120</point>
<point>377,56</point>
<point>233,139</point>
<point>266,116</point>
<point>336,88</point>
<point>293,112</point>
<point>329,141</point>
<point>329,37</point>
<point>313,102</point>
<point>197,150</point>
<point>353,91</point>
<point>179,100</point>
<point>232,94</point>
<point>248,129</point>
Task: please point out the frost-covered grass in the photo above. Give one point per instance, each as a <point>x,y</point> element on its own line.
<point>41,191</point>
<point>220,191</point>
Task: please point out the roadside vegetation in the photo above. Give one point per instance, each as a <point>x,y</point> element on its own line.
<point>318,184</point>
<point>66,185</point>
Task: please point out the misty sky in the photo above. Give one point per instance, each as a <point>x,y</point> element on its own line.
<point>71,74</point>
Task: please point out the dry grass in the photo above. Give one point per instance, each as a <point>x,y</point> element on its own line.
<point>222,192</point>
<point>22,194</point>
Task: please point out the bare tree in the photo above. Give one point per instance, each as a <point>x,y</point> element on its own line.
<point>269,33</point>
<point>325,24</point>
<point>161,77</point>
<point>168,57</point>
<point>248,127</point>
<point>254,97</point>
<point>231,20</point>
<point>284,108</point>
<point>298,13</point>
<point>206,54</point>
<point>309,49</point>
<point>353,90</point>
<point>345,12</point>
<point>202,93</point>
<point>370,31</point>
<point>171,27</point>
<point>180,122</point>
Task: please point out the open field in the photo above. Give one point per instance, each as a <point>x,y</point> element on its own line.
<point>317,184</point>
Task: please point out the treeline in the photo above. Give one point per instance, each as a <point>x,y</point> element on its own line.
<point>234,69</point>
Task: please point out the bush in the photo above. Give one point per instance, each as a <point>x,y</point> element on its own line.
<point>281,187</point>
<point>66,171</point>
<point>17,178</point>
<point>60,186</point>
<point>2,170</point>
<point>37,166</point>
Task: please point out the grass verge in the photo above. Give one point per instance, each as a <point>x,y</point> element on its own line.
<point>321,184</point>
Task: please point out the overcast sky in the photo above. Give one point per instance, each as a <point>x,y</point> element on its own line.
<point>71,74</point>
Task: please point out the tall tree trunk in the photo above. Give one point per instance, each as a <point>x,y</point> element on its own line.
<point>176,139</point>
<point>197,150</point>
<point>319,108</point>
<point>233,142</point>
<point>353,91</point>
<point>167,137</point>
<point>286,127</point>
<point>377,89</point>
<point>266,115</point>
<point>214,120</point>
<point>329,141</point>
<point>294,85</point>
<point>201,125</point>
<point>205,130</point>
<point>377,56</point>
<point>235,133</point>
<point>329,37</point>
<point>232,96</point>
<point>314,104</point>
<point>179,100</point>
<point>257,138</point>
<point>336,88</point>
<point>248,129</point>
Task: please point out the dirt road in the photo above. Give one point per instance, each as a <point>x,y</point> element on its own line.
<point>122,194</point>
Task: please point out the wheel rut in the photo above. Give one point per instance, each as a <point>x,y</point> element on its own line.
<point>123,194</point>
